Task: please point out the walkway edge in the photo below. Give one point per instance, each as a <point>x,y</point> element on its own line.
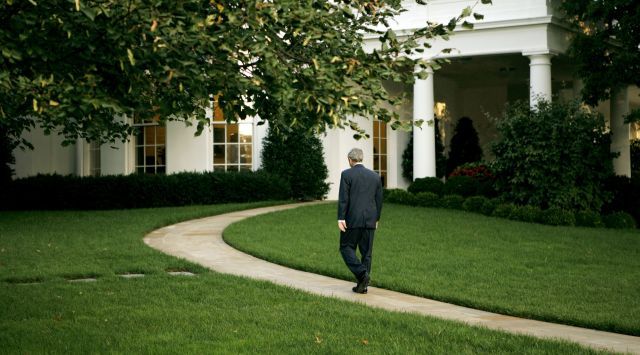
<point>200,241</point>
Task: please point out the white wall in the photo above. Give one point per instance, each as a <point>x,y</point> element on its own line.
<point>47,157</point>
<point>187,152</point>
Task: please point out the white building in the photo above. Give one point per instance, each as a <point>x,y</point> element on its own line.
<point>516,52</point>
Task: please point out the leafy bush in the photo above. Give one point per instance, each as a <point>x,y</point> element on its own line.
<point>530,214</point>
<point>635,155</point>
<point>556,216</point>
<point>55,192</point>
<point>428,199</point>
<point>465,146</point>
<point>482,174</point>
<point>427,184</point>
<point>461,185</point>
<point>588,219</point>
<point>399,196</point>
<point>556,155</point>
<point>441,160</point>
<point>297,156</point>
<point>489,206</point>
<point>619,220</point>
<point>474,204</point>
<point>504,210</point>
<point>453,201</point>
<point>625,196</point>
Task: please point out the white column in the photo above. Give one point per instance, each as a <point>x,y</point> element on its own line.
<point>424,149</point>
<point>539,77</point>
<point>620,132</point>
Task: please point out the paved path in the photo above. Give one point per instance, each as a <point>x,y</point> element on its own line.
<point>201,241</point>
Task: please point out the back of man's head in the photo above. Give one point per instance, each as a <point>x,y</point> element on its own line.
<point>356,155</point>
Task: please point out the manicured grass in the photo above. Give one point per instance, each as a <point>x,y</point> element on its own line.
<point>580,276</point>
<point>208,313</point>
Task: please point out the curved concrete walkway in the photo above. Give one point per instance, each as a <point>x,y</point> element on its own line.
<point>200,241</point>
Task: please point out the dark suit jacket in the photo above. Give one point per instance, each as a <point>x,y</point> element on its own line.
<point>360,197</point>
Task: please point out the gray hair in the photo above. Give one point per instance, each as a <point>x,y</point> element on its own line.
<point>356,155</point>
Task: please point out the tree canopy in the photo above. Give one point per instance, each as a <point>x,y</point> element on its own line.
<point>76,66</point>
<point>606,47</point>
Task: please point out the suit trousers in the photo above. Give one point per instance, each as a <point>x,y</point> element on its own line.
<point>353,238</point>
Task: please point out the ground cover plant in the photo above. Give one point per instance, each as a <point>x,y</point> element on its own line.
<point>580,276</point>
<point>208,313</point>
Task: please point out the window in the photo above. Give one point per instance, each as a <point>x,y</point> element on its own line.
<point>232,143</point>
<point>380,150</point>
<point>94,159</point>
<point>150,148</point>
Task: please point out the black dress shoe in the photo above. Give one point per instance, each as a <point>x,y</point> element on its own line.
<point>361,287</point>
<point>355,289</point>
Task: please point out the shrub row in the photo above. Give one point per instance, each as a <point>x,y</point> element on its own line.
<point>55,192</point>
<point>462,185</point>
<point>494,207</point>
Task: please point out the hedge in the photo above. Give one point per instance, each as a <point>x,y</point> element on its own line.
<point>497,208</point>
<point>56,192</point>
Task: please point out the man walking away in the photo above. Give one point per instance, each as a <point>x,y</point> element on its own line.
<point>359,208</point>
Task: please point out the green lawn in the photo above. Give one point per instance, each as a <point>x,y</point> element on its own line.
<point>208,313</point>
<point>580,276</point>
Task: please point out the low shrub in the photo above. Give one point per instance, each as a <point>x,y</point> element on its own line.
<point>556,216</point>
<point>481,174</point>
<point>399,196</point>
<point>619,220</point>
<point>504,210</point>
<point>625,193</point>
<point>530,214</point>
<point>489,206</point>
<point>474,204</point>
<point>427,184</point>
<point>588,219</point>
<point>461,185</point>
<point>428,199</point>
<point>56,192</point>
<point>453,201</point>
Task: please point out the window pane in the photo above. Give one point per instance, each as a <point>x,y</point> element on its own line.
<point>149,135</point>
<point>376,163</point>
<point>218,168</point>
<point>161,135</point>
<point>139,135</point>
<point>245,167</point>
<point>149,156</point>
<point>232,154</point>
<point>232,133</point>
<point>383,146</point>
<point>140,170</point>
<point>150,170</point>
<point>383,176</point>
<point>232,168</point>
<point>383,130</point>
<point>376,130</point>
<point>140,156</point>
<point>218,134</point>
<point>245,154</point>
<point>161,170</point>
<point>160,155</point>
<point>218,154</point>
<point>383,162</point>
<point>246,132</point>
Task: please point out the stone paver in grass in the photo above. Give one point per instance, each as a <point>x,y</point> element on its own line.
<point>88,279</point>
<point>180,273</point>
<point>201,241</point>
<point>131,276</point>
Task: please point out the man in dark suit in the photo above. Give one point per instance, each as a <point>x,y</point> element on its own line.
<point>359,208</point>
